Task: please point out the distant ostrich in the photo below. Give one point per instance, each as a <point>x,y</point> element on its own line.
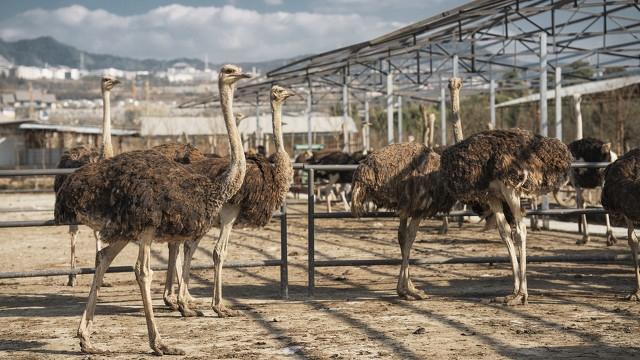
<point>590,150</point>
<point>341,178</point>
<point>264,190</point>
<point>81,155</point>
<point>141,196</point>
<point>405,178</point>
<point>497,167</point>
<point>621,197</point>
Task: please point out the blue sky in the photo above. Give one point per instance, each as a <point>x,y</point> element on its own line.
<point>232,30</point>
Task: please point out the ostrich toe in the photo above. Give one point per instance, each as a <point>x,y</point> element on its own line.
<point>611,239</point>
<point>171,301</point>
<point>585,240</point>
<point>224,311</point>
<point>634,296</point>
<point>160,349</point>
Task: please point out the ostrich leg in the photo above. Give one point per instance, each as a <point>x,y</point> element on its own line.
<point>169,295</point>
<point>611,239</point>
<point>513,200</point>
<point>406,236</point>
<point>633,244</point>
<point>185,300</point>
<point>105,257</point>
<point>144,276</point>
<point>583,218</point>
<point>73,231</point>
<point>505,234</point>
<point>444,228</point>
<point>227,218</point>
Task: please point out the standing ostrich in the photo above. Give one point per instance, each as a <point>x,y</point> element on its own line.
<point>405,178</point>
<point>141,196</point>
<point>342,178</point>
<point>81,155</point>
<point>621,197</point>
<point>264,190</point>
<point>590,150</point>
<point>497,167</point>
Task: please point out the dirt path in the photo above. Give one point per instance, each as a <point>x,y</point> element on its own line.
<point>575,310</point>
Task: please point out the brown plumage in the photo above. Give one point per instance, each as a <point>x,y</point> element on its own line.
<point>590,150</point>
<point>74,158</point>
<point>621,197</point>
<point>532,164</point>
<point>182,153</point>
<point>404,178</point>
<point>498,167</point>
<point>401,177</point>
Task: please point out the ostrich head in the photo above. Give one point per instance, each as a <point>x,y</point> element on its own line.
<point>108,83</point>
<point>454,86</point>
<point>608,153</point>
<point>229,74</point>
<point>280,94</point>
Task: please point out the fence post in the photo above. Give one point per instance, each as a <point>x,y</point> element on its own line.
<point>284,265</point>
<point>311,202</point>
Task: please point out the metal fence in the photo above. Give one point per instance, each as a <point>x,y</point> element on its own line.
<point>282,262</point>
<point>311,217</point>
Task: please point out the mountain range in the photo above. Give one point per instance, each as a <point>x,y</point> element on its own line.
<point>46,50</point>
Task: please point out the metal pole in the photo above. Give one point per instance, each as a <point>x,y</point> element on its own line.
<point>492,102</point>
<point>367,139</point>
<point>390,136</point>
<point>311,201</point>
<point>558,103</point>
<point>400,130</point>
<point>309,104</point>
<point>345,115</point>
<point>258,128</point>
<point>284,261</point>
<point>577,99</point>
<point>544,125</point>
<point>443,114</point>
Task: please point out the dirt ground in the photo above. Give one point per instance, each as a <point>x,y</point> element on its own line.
<point>575,310</point>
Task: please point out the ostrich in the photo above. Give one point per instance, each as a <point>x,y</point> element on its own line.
<point>334,157</point>
<point>591,150</point>
<point>497,167</point>
<point>141,196</point>
<point>621,197</point>
<point>264,190</point>
<point>81,155</point>
<point>405,178</point>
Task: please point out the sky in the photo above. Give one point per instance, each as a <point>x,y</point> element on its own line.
<point>231,30</point>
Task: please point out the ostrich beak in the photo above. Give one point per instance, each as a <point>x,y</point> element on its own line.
<point>116,82</point>
<point>290,94</point>
<point>243,76</point>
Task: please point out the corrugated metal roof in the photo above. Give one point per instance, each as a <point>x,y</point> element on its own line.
<point>75,129</point>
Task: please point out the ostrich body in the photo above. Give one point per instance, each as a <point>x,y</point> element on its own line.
<point>621,197</point>
<point>82,155</point>
<point>405,178</point>
<point>263,191</point>
<point>497,167</point>
<point>343,178</point>
<point>143,196</point>
<point>590,150</point>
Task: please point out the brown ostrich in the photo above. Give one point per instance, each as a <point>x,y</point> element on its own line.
<point>497,167</point>
<point>590,150</point>
<point>405,178</point>
<point>621,197</point>
<point>264,190</point>
<point>140,196</point>
<point>335,180</point>
<point>81,155</point>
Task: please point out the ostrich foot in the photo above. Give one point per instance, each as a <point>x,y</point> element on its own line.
<point>186,311</point>
<point>87,348</point>
<point>224,311</point>
<point>443,230</point>
<point>171,301</point>
<point>193,302</point>
<point>105,283</point>
<point>72,280</point>
<point>520,299</point>
<point>634,296</point>
<point>411,293</point>
<point>611,239</point>
<point>505,299</point>
<point>585,240</point>
<point>161,349</point>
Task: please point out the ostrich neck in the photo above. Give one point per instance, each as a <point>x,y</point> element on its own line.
<point>237,169</point>
<point>107,148</point>
<point>457,122</point>
<point>276,114</point>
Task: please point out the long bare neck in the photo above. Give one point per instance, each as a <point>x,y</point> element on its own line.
<point>107,147</point>
<point>276,117</point>
<point>282,163</point>
<point>455,108</point>
<point>237,169</point>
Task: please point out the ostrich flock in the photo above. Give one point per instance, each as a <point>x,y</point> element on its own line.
<point>175,194</point>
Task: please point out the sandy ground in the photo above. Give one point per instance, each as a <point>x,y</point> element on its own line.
<point>575,310</point>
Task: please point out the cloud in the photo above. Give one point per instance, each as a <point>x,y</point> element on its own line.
<point>226,33</point>
<point>273,2</point>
